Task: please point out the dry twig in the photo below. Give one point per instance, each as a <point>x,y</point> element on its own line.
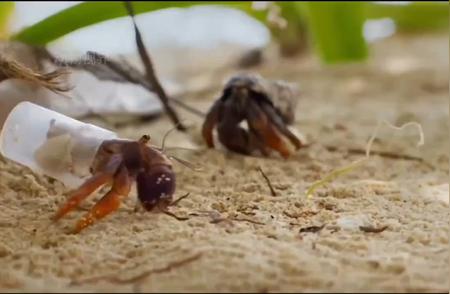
<point>312,229</point>
<point>348,168</point>
<point>305,213</point>
<point>180,218</point>
<point>150,72</point>
<point>385,154</point>
<point>175,202</point>
<point>373,229</point>
<point>247,220</point>
<point>167,268</point>
<point>114,278</point>
<point>272,190</point>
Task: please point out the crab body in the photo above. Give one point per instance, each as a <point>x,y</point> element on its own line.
<point>267,107</point>
<point>121,163</point>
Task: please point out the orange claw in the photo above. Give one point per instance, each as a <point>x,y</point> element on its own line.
<point>109,203</point>
<point>261,124</point>
<point>274,141</point>
<point>279,124</point>
<point>81,193</point>
<point>210,122</point>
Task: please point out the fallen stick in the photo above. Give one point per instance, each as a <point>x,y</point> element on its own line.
<point>272,190</point>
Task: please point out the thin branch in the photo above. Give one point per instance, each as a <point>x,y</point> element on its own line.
<point>218,218</point>
<point>247,220</point>
<point>386,154</point>
<point>302,214</point>
<point>175,202</point>
<point>312,229</point>
<point>348,168</point>
<point>373,229</point>
<point>187,107</point>
<point>180,218</point>
<point>107,69</point>
<point>167,268</point>
<point>140,277</point>
<point>272,190</point>
<point>150,72</point>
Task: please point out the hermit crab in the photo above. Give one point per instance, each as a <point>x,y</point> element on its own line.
<point>266,106</point>
<point>121,162</point>
<point>85,157</point>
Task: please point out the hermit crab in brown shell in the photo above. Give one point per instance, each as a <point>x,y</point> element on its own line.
<point>267,106</point>
<point>121,163</point>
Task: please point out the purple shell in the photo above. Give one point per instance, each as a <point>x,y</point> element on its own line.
<point>155,185</point>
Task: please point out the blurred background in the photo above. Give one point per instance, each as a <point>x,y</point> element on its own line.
<point>192,43</point>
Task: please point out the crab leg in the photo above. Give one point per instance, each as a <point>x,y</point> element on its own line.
<point>237,139</point>
<point>82,193</point>
<point>234,137</point>
<point>259,122</point>
<point>256,142</point>
<point>110,202</point>
<point>210,121</point>
<point>277,121</point>
<point>87,188</point>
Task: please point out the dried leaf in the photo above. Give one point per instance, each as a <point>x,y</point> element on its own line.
<point>12,69</point>
<point>100,66</point>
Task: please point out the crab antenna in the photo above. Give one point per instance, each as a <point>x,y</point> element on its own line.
<point>180,148</point>
<point>165,137</point>
<point>182,161</point>
<point>186,163</point>
<point>167,134</point>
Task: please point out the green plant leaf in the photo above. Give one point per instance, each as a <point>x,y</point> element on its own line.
<point>89,13</point>
<point>337,30</point>
<point>293,37</point>
<point>414,17</point>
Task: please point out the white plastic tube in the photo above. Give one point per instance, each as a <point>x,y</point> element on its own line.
<point>51,143</point>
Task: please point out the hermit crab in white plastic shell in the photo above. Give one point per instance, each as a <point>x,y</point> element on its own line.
<point>85,157</point>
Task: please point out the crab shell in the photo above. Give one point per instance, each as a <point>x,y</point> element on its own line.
<point>283,95</point>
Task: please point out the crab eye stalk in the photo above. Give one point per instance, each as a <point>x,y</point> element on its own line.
<point>144,139</point>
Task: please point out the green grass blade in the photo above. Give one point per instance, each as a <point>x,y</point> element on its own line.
<point>6,10</point>
<point>337,30</point>
<point>89,13</point>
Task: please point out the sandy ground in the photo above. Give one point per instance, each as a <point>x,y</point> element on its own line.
<point>261,246</point>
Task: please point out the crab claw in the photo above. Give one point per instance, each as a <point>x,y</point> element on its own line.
<point>210,121</point>
<point>259,122</point>
<point>279,124</point>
